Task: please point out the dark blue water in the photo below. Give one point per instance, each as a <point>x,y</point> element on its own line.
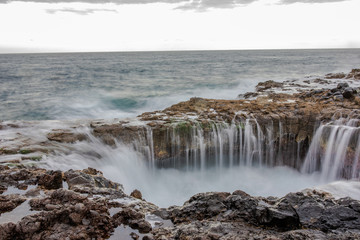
<point>109,85</point>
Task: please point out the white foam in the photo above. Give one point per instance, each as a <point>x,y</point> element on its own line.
<point>341,189</point>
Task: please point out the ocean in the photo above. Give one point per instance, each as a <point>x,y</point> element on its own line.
<point>125,84</point>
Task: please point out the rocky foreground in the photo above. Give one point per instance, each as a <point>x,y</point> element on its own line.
<point>86,205</point>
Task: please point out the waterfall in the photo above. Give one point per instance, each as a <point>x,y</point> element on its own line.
<point>333,153</point>
<point>169,164</point>
<point>334,150</point>
<point>197,146</point>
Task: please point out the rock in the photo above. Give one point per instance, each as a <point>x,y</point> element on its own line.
<point>51,180</point>
<point>83,181</point>
<point>335,76</point>
<point>136,194</point>
<point>142,225</point>
<point>262,86</point>
<point>342,85</point>
<point>348,92</point>
<point>339,98</point>
<point>282,216</point>
<point>10,202</point>
<point>247,95</point>
<point>76,218</point>
<point>355,74</point>
<point>66,137</point>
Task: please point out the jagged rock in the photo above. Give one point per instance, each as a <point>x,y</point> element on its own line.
<point>9,202</point>
<point>335,76</point>
<point>68,214</point>
<point>355,74</point>
<point>262,86</point>
<point>66,137</point>
<point>51,180</point>
<point>90,181</point>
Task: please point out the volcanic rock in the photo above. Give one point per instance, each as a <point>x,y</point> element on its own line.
<point>51,180</point>
<point>136,194</point>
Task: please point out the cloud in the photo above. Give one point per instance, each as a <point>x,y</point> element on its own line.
<point>182,4</point>
<point>98,1</point>
<point>309,1</point>
<point>80,12</point>
<point>205,4</point>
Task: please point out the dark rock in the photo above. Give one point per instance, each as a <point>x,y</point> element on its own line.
<point>348,92</point>
<point>248,95</point>
<point>76,218</point>
<point>51,180</point>
<point>136,194</point>
<point>262,86</point>
<point>10,202</point>
<point>142,225</point>
<point>335,75</point>
<point>339,98</point>
<point>355,74</point>
<point>200,206</point>
<point>342,85</point>
<point>282,216</point>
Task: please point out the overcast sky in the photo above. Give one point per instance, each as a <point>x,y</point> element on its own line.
<point>152,25</point>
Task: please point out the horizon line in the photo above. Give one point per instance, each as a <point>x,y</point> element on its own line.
<point>176,50</point>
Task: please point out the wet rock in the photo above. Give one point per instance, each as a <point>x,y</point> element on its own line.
<point>136,194</point>
<point>199,207</point>
<point>66,137</point>
<point>90,181</point>
<point>349,92</point>
<point>262,86</point>
<point>355,74</point>
<point>282,216</point>
<point>335,76</point>
<point>339,98</point>
<point>248,95</point>
<point>342,85</point>
<point>10,202</point>
<point>51,180</point>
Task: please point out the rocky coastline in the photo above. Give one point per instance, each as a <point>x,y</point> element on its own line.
<point>37,203</point>
<point>83,204</point>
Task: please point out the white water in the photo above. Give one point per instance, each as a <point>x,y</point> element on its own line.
<point>224,159</point>
<point>166,187</point>
<point>335,150</point>
<point>134,166</point>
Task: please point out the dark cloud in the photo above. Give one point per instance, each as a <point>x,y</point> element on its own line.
<point>205,4</point>
<point>78,11</point>
<point>309,1</point>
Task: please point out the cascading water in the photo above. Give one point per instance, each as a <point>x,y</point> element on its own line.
<point>335,150</point>
<point>218,145</point>
<point>169,167</point>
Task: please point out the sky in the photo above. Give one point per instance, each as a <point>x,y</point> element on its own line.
<point>161,25</point>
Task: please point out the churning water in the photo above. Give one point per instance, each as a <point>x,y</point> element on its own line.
<point>109,85</point>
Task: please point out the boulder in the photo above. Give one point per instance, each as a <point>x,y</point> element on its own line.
<point>136,194</point>
<point>51,180</point>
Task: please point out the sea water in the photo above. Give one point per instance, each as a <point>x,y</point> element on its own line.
<point>119,85</point>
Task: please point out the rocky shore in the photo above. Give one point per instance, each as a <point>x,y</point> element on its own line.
<point>85,205</point>
<point>37,203</point>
